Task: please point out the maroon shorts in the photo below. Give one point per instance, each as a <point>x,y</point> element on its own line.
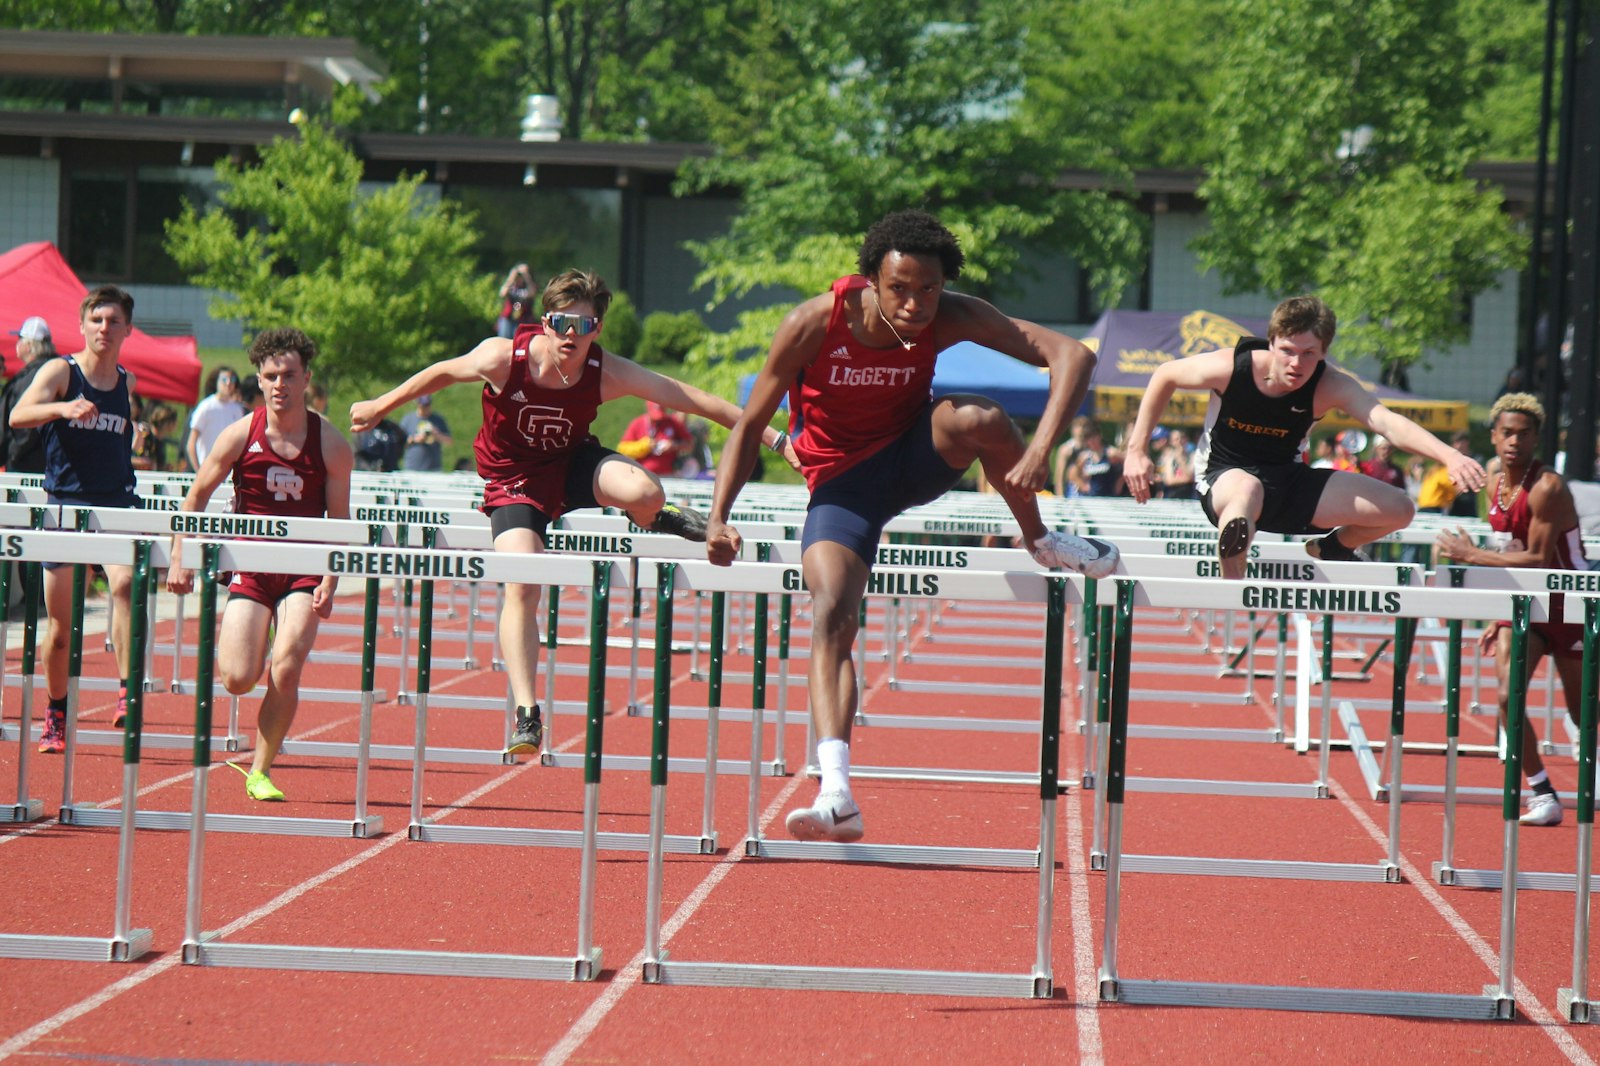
<point>552,489</point>
<point>270,589</point>
<point>1564,640</point>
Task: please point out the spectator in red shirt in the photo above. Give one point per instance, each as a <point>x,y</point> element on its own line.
<point>1381,465</point>
<point>658,437</point>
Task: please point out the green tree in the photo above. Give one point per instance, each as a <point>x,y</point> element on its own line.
<point>1127,83</point>
<point>1378,128</point>
<point>383,280</point>
<point>869,122</point>
<point>669,336</point>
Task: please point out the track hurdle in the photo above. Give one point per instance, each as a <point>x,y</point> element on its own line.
<point>125,943</point>
<point>1052,591</point>
<point>1573,1001</point>
<point>26,808</point>
<point>1497,1001</point>
<point>208,949</point>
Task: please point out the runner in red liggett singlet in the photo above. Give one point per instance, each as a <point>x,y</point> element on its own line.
<point>857,363</point>
<point>1532,512</point>
<point>286,460</point>
<point>538,459</point>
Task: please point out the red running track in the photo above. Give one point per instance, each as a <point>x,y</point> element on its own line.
<point>391,892</point>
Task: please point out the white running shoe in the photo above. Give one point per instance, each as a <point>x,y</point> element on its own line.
<point>1083,555</point>
<point>834,816</point>
<point>1543,809</point>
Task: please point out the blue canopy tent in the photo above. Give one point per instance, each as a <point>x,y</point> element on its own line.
<point>1020,388</point>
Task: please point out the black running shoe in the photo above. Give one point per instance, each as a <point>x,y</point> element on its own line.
<point>680,522</point>
<point>529,732</point>
<point>1330,549</point>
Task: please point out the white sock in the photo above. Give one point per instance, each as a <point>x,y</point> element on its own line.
<point>833,758</point>
<point>1537,779</point>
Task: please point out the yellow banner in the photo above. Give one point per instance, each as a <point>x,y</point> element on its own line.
<point>1121,405</point>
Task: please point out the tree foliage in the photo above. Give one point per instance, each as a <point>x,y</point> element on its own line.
<point>1377,139</point>
<point>381,279</point>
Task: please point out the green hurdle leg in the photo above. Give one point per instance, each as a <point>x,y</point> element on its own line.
<point>1573,1002</point>
<point>785,609</point>
<point>552,626</point>
<point>708,813</point>
<point>26,809</point>
<point>80,579</point>
<point>204,675</point>
<point>1511,806</point>
<point>660,727</point>
<point>365,825</point>
<point>1049,780</point>
<point>128,943</point>
<point>1103,629</point>
<point>1116,780</point>
<point>430,538</point>
<point>587,966</point>
<point>1444,869</point>
<point>1404,632</point>
<point>1089,682</point>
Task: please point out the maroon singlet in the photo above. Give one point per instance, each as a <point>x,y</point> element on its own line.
<point>1563,638</point>
<point>530,433</point>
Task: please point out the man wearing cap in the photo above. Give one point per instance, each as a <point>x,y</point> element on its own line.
<point>82,407</point>
<point>23,451</point>
<point>426,435</point>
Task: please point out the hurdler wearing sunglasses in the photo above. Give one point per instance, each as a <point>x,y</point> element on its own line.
<point>537,456</point>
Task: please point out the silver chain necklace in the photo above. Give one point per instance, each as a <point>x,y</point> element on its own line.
<point>879,307</point>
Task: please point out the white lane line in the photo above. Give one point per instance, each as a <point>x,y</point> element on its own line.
<point>628,976</point>
<point>1085,976</point>
<point>1526,1000</point>
<point>35,1033</point>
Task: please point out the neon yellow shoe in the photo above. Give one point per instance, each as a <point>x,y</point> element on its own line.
<point>258,786</point>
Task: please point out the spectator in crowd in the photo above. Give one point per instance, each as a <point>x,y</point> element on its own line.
<point>22,450</point>
<point>1322,454</point>
<point>250,394</point>
<point>656,439</point>
<point>1463,504</point>
<point>1067,451</point>
<point>380,447</point>
<point>1346,447</point>
<point>221,408</point>
<point>426,435</point>
<point>1175,468</point>
<point>152,439</point>
<point>1381,465</point>
<point>1094,472</point>
<point>518,302</point>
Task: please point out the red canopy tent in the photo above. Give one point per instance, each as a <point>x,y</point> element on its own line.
<point>35,280</point>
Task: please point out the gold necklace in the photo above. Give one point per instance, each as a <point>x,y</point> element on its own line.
<point>879,307</point>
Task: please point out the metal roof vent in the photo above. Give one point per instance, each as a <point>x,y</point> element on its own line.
<point>543,119</point>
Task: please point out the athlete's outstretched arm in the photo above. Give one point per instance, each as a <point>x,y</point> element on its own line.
<point>1341,390</point>
<point>490,361</point>
<point>1208,371</point>
<point>337,462</point>
<point>1070,362</point>
<point>793,347</point>
<point>219,462</point>
<point>624,377</point>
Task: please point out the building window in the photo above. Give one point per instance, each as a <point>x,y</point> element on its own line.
<point>116,220</point>
<point>550,229</point>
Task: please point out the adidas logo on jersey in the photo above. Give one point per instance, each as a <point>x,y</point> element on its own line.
<point>841,352</point>
<point>519,396</point>
<point>255,447</point>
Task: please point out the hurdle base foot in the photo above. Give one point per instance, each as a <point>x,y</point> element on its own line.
<point>586,969</point>
<point>366,828</point>
<point>1043,986</point>
<point>29,810</point>
<point>1322,791</point>
<point>1088,782</point>
<point>1572,1008</point>
<point>135,945</point>
<point>708,843</point>
<point>1108,989</point>
<point>1097,860</point>
<point>650,972</point>
<point>1505,1007</point>
<point>752,847</point>
<point>1445,875</point>
<point>1391,872</point>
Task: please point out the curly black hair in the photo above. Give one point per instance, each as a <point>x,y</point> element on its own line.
<point>911,233</point>
<point>285,339</point>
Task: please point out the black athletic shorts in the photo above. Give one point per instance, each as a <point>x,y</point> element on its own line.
<point>853,508</point>
<point>1291,492</point>
<point>579,493</point>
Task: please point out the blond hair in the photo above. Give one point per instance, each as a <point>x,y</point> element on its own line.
<point>1517,403</point>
